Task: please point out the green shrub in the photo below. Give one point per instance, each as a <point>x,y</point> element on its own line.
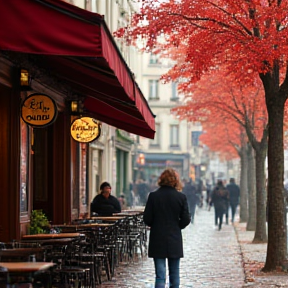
<point>38,223</point>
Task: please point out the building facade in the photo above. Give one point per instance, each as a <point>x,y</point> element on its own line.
<point>116,161</point>
<point>70,58</point>
<point>177,143</point>
<point>172,143</point>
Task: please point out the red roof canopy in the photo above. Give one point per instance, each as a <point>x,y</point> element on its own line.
<point>76,46</point>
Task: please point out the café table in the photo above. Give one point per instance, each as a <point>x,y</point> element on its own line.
<point>127,214</point>
<point>94,225</point>
<point>107,218</point>
<point>136,209</point>
<point>19,254</point>
<point>53,239</point>
<point>51,236</point>
<point>82,227</point>
<point>28,270</point>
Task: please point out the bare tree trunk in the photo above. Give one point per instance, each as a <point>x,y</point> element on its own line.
<point>260,232</point>
<point>277,237</point>
<point>251,224</point>
<point>243,185</point>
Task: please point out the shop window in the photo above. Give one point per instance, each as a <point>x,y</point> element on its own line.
<point>83,174</point>
<point>24,166</point>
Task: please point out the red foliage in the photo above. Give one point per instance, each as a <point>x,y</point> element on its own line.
<point>222,138</point>
<point>223,103</point>
<point>244,35</point>
<point>247,37</point>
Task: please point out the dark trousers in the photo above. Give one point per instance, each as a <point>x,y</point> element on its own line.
<point>227,214</point>
<point>233,210</point>
<point>218,216</point>
<point>192,208</point>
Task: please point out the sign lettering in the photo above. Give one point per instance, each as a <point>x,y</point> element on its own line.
<point>39,110</point>
<point>85,129</point>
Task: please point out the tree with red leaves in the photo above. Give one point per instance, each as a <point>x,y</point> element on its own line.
<point>246,36</point>
<point>218,98</point>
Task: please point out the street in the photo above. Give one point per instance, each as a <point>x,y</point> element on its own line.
<point>211,259</point>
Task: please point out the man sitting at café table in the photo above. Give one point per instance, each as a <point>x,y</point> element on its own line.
<point>105,204</point>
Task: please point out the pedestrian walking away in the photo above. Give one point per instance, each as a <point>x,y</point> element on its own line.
<point>166,213</point>
<point>192,198</point>
<point>219,198</point>
<point>234,194</point>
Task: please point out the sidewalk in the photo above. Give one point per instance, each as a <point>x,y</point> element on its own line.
<point>254,256</point>
<point>212,258</point>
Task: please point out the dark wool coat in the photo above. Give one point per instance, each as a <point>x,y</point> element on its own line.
<point>234,193</point>
<point>166,212</point>
<point>220,198</point>
<point>105,207</point>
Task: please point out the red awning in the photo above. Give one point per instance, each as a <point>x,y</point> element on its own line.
<point>76,46</point>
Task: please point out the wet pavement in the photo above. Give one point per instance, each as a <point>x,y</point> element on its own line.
<point>254,257</point>
<point>212,258</point>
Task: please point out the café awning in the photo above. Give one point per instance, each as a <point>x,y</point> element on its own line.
<point>76,46</point>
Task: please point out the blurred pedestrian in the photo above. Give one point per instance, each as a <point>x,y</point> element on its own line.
<point>142,190</point>
<point>208,194</point>
<point>234,195</point>
<point>219,198</point>
<point>199,189</point>
<point>192,198</point>
<point>122,202</point>
<point>166,212</point>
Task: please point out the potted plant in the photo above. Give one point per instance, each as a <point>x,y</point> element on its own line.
<point>38,223</point>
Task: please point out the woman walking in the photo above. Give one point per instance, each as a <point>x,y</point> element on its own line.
<point>166,212</point>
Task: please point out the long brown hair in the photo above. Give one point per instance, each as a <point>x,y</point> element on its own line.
<point>170,177</point>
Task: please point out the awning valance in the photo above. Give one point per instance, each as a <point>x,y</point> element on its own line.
<point>76,46</point>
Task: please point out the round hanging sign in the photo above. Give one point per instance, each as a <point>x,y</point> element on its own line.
<point>39,110</point>
<point>85,129</point>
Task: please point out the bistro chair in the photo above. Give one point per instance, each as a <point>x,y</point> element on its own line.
<point>3,277</point>
<point>68,272</point>
<point>91,256</point>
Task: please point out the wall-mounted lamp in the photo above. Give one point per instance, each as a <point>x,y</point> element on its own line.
<point>25,80</point>
<point>76,107</point>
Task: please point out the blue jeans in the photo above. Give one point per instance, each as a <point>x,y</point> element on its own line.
<point>160,271</point>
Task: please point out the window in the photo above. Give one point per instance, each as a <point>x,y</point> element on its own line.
<point>195,137</point>
<point>174,135</point>
<point>154,59</point>
<point>153,89</point>
<point>88,5</point>
<point>156,140</point>
<point>83,175</point>
<point>24,166</point>
<point>174,92</point>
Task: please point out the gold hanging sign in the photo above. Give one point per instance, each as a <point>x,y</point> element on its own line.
<point>39,110</point>
<point>85,129</point>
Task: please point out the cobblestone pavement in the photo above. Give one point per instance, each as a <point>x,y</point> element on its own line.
<point>212,258</point>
